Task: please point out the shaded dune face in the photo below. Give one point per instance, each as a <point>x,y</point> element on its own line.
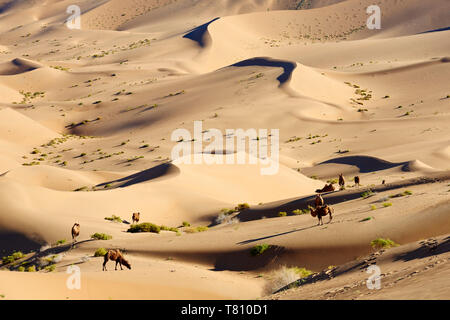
<point>87,125</point>
<point>17,66</point>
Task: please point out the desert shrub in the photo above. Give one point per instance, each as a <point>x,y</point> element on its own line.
<point>298,212</point>
<point>21,269</point>
<point>242,206</point>
<point>284,277</point>
<point>15,256</point>
<point>227,211</point>
<point>186,224</point>
<point>60,242</point>
<point>259,249</point>
<point>101,236</point>
<point>165,228</point>
<point>407,193</point>
<point>50,268</point>
<point>367,194</point>
<point>373,207</point>
<point>145,227</point>
<point>114,218</point>
<point>196,229</point>
<point>382,243</point>
<point>387,204</point>
<point>282,214</point>
<point>366,219</point>
<point>31,269</point>
<point>100,252</point>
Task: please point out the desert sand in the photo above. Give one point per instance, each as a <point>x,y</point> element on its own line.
<point>86,123</point>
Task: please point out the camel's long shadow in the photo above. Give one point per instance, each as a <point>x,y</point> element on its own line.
<point>274,235</point>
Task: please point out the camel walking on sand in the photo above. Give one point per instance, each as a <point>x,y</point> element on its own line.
<point>115,255</point>
<point>341,181</point>
<point>136,217</point>
<point>357,180</point>
<point>75,231</point>
<point>321,212</point>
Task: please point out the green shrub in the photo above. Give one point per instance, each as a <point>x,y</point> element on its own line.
<point>227,211</point>
<point>165,228</point>
<point>114,218</point>
<point>60,242</point>
<point>186,224</point>
<point>259,249</point>
<point>298,212</point>
<point>100,252</point>
<point>101,236</point>
<point>407,193</point>
<point>242,206</point>
<point>21,269</point>
<point>366,219</point>
<point>282,214</point>
<point>15,256</point>
<point>197,229</point>
<point>145,227</point>
<point>50,268</point>
<point>302,272</point>
<point>31,269</point>
<point>383,243</point>
<point>373,207</point>
<point>367,194</point>
<point>387,204</point>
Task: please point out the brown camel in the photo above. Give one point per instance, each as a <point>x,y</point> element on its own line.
<point>341,181</point>
<point>319,201</point>
<point>357,180</point>
<point>321,212</point>
<point>115,255</point>
<point>327,188</point>
<point>136,217</point>
<point>75,231</point>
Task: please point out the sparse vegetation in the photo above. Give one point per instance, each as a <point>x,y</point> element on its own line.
<point>383,243</point>
<point>387,204</point>
<point>100,252</point>
<point>282,214</point>
<point>242,206</point>
<point>101,236</point>
<point>186,224</point>
<point>114,218</point>
<point>367,194</point>
<point>259,249</point>
<point>145,227</point>
<point>15,256</point>
<point>298,212</point>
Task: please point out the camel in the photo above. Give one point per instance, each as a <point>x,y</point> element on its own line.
<point>115,255</point>
<point>75,231</point>
<point>341,181</point>
<point>357,180</point>
<point>319,201</point>
<point>327,188</point>
<point>322,211</point>
<point>136,217</point>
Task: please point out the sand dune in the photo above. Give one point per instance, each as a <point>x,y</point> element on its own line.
<point>86,132</point>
